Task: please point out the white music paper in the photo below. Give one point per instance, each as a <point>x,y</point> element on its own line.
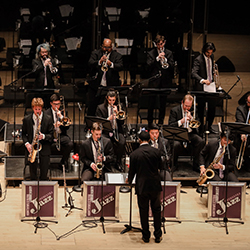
<point>210,88</point>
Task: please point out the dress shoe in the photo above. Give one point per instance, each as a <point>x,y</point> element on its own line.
<point>211,130</point>
<point>146,240</point>
<point>202,189</point>
<point>158,239</point>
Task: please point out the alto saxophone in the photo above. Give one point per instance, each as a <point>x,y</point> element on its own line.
<point>35,148</point>
<point>99,164</point>
<point>209,174</point>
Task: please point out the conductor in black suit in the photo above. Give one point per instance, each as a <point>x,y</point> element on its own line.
<point>224,169</point>
<point>40,126</point>
<point>94,150</point>
<point>64,143</point>
<point>111,60</point>
<point>156,58</point>
<point>145,163</point>
<point>203,74</point>
<point>117,138</point>
<point>163,146</point>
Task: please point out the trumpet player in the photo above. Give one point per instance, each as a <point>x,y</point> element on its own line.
<point>90,153</point>
<point>180,116</point>
<point>109,110</point>
<point>243,115</point>
<point>105,64</point>
<point>60,131</point>
<point>37,128</point>
<point>159,61</point>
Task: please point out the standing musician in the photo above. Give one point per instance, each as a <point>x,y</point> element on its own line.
<point>96,150</point>
<point>160,60</point>
<point>145,163</point>
<point>180,116</point>
<point>161,144</point>
<point>203,74</point>
<point>110,111</point>
<point>63,141</point>
<point>37,129</point>
<point>223,170</point>
<point>105,64</point>
<point>243,115</point>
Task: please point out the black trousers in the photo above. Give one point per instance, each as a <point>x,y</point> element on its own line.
<point>66,147</point>
<point>155,203</point>
<point>44,162</point>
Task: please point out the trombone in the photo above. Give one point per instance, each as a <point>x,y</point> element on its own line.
<point>121,115</point>
<point>242,147</point>
<point>65,121</point>
<point>194,123</point>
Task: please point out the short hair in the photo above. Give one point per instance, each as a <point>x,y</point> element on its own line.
<point>144,136</point>
<point>230,136</point>
<point>208,46</point>
<point>55,97</point>
<point>188,97</point>
<point>96,126</point>
<point>37,101</point>
<point>153,126</point>
<point>159,38</point>
<point>111,93</point>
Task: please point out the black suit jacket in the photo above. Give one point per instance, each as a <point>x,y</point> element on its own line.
<point>38,68</point>
<point>199,71</point>
<point>145,162</point>
<point>209,151</point>
<point>87,156</point>
<point>154,67</point>
<point>241,113</point>
<point>46,129</point>
<point>112,75</point>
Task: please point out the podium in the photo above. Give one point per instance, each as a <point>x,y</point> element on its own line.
<point>236,200</point>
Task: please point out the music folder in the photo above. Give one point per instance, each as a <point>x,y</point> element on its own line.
<point>117,179</point>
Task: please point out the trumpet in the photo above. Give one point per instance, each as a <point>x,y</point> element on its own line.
<point>242,147</point>
<point>164,63</point>
<point>121,115</point>
<point>104,66</point>
<point>194,123</point>
<point>209,174</point>
<point>65,121</point>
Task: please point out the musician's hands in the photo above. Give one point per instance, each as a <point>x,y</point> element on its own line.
<point>243,137</point>
<point>57,124</point>
<point>47,62</point>
<point>207,82</point>
<point>93,166</point>
<point>218,166</point>
<point>40,136</point>
<point>161,55</point>
<point>188,117</point>
<point>202,170</point>
<point>29,147</point>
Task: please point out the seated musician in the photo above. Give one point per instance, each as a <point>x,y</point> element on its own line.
<point>96,150</point>
<point>37,129</point>
<point>180,116</point>
<point>223,166</point>
<point>62,140</point>
<point>109,110</point>
<point>243,115</point>
<point>162,144</point>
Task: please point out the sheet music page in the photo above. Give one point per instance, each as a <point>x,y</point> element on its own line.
<point>210,88</point>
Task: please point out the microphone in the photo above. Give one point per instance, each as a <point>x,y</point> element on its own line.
<point>238,77</point>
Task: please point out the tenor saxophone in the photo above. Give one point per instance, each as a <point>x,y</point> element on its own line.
<point>35,148</point>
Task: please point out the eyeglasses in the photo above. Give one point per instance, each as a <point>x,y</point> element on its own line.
<point>56,104</point>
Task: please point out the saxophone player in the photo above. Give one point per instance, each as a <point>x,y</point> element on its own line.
<point>38,127</point>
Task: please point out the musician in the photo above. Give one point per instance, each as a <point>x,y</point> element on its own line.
<point>223,170</point>
<point>163,146</point>
<point>145,162</point>
<point>203,74</point>
<point>243,115</point>
<point>38,124</point>
<point>98,58</point>
<point>64,142</point>
<point>105,111</point>
<point>154,59</point>
<point>44,67</point>
<point>180,116</point>
<point>92,152</point>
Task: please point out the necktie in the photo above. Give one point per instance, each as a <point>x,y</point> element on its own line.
<point>155,144</point>
<point>221,174</point>
<point>209,70</point>
<point>45,77</point>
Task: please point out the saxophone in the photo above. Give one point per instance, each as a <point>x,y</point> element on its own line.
<point>35,143</point>
<point>99,165</point>
<point>209,174</point>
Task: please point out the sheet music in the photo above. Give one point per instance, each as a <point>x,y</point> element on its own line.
<point>25,42</point>
<point>113,11</point>
<point>210,88</point>
<point>72,42</point>
<point>124,42</point>
<point>66,10</point>
<point>124,51</point>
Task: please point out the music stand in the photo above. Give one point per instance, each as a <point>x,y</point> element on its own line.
<point>175,133</point>
<point>238,128</point>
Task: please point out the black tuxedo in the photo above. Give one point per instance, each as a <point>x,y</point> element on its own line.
<point>112,76</point>
<point>196,141</point>
<point>145,163</point>
<point>165,81</point>
<point>199,72</point>
<point>207,156</point>
<point>119,147</point>
<point>44,154</point>
<point>65,141</point>
<point>87,157</point>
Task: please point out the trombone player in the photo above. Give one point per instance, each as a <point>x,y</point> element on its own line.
<point>110,111</point>
<point>243,115</point>
<point>63,141</point>
<point>105,64</point>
